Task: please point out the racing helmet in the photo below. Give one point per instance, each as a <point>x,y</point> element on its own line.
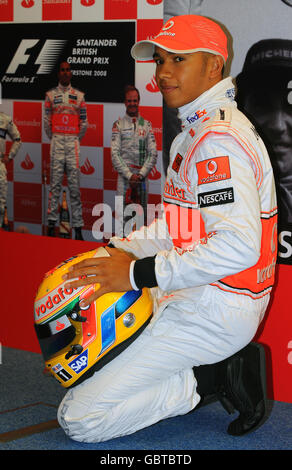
<point>74,342</point>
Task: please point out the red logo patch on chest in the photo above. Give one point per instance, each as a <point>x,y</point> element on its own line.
<point>213,169</point>
<point>177,162</point>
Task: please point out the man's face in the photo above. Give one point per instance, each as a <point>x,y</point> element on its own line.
<point>270,105</point>
<point>181,78</point>
<point>132,103</point>
<point>65,74</point>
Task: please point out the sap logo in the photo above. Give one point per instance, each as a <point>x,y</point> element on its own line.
<point>46,59</point>
<point>80,362</point>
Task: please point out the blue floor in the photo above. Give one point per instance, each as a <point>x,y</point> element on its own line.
<point>29,398</point>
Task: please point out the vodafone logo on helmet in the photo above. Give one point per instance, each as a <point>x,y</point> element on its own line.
<point>57,297</point>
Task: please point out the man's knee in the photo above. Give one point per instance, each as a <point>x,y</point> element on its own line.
<point>71,418</point>
<point>78,422</point>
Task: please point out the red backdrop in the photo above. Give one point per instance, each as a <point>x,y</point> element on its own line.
<point>25,258</point>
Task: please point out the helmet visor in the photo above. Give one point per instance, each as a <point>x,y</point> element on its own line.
<point>55,335</point>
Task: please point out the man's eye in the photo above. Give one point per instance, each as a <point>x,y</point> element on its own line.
<point>158,61</point>
<point>178,59</point>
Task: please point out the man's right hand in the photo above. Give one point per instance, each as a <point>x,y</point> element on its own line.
<point>134,181</point>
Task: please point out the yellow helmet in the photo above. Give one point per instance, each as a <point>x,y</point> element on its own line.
<point>75,343</point>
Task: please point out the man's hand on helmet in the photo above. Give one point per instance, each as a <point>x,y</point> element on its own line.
<point>111,272</point>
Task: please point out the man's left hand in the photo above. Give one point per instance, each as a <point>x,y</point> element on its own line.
<point>135,180</point>
<point>111,272</point>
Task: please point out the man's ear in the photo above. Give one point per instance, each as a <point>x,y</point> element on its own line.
<point>217,64</point>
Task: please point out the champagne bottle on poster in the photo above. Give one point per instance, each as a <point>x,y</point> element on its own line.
<point>65,227</point>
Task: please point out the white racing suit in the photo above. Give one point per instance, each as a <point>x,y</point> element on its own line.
<point>214,280</point>
<point>7,126</point>
<point>133,151</point>
<point>65,124</point>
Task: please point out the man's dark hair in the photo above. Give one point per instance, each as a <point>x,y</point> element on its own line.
<point>131,88</point>
<point>63,62</point>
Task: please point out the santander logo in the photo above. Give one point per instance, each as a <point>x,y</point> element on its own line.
<point>27,164</point>
<point>27,3</point>
<point>154,174</point>
<point>154,2</point>
<point>87,3</point>
<point>152,85</point>
<point>87,168</point>
<point>59,326</point>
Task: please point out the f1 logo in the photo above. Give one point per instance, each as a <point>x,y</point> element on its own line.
<point>46,58</point>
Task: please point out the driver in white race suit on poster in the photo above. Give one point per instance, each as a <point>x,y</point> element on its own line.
<point>210,259</point>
